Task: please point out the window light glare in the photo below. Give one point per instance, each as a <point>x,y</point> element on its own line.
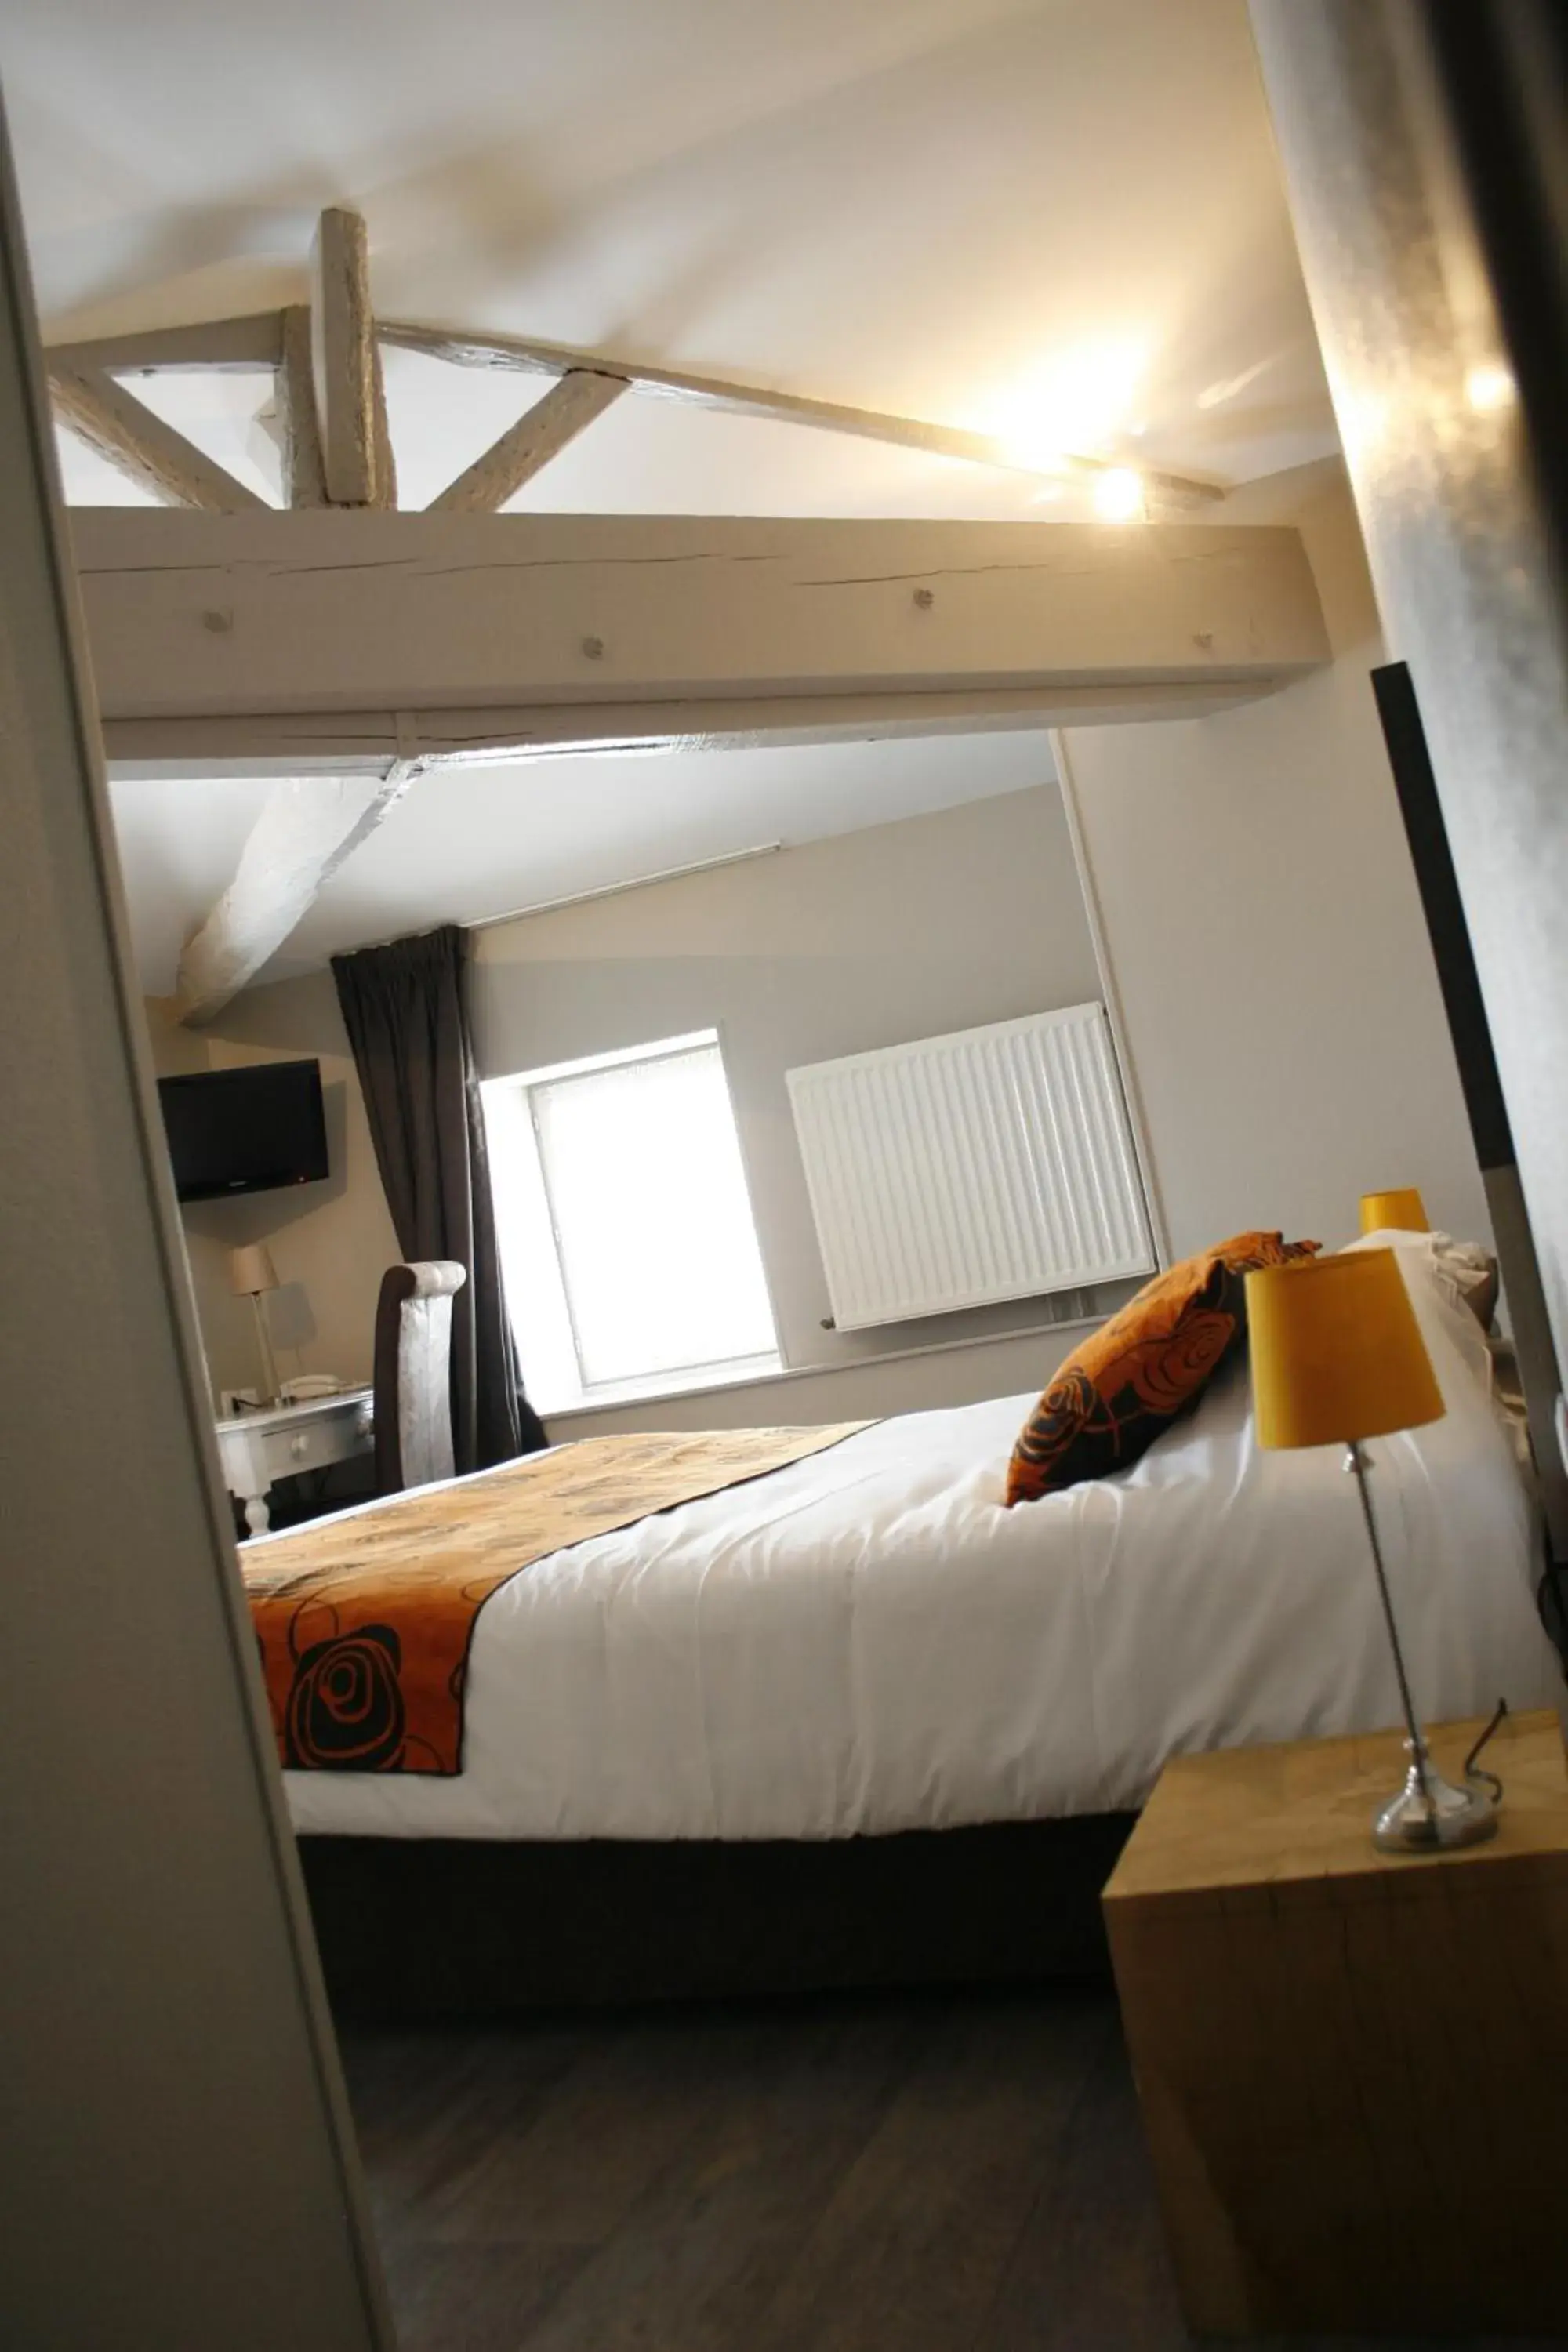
<point>624,1223</point>
<point>1119,495</point>
<point>652,1223</point>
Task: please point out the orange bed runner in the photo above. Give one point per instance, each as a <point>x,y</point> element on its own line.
<point>364,1624</point>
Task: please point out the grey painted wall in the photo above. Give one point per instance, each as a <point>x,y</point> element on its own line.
<point>906,930</point>
<point>903,930</point>
<point>331,1242</point>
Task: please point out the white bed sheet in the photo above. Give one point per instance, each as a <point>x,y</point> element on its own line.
<point>870,1642</point>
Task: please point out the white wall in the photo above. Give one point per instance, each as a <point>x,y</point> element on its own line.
<point>331,1242</point>
<point>905,930</point>
<point>1281,1001</point>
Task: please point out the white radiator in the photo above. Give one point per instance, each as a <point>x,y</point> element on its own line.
<point>997,1163</point>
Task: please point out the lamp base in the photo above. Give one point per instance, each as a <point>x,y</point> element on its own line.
<point>264,1347</point>
<point>1430,1813</point>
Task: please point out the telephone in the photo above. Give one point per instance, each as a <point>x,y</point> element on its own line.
<point>307,1385</point>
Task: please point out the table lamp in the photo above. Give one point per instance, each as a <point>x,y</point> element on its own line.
<point>1337,1358</point>
<point>1401,1211</point>
<point>251,1273</point>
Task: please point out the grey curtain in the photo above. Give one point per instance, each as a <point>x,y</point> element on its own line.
<point>406,1008</point>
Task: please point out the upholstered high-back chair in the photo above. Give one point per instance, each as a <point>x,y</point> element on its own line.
<point>413,1374</point>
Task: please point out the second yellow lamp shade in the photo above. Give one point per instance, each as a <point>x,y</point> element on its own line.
<point>250,1270</point>
<point>1337,1353</point>
<point>1403,1210</point>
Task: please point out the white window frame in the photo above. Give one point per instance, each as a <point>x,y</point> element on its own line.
<point>537,1291</point>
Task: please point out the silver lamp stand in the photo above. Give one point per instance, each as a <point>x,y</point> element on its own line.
<point>1429,1811</point>
<point>264,1344</point>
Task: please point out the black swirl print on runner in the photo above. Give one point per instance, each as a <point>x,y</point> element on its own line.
<point>346,1710</point>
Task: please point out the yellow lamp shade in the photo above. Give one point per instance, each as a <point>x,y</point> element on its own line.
<point>1337,1353</point>
<point>1400,1212</point>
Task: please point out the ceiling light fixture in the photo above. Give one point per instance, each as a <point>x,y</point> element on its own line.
<point>1076,399</point>
<point>1119,495</point>
<point>1490,385</point>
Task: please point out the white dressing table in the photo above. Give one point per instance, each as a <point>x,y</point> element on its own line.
<point>258,1448</point>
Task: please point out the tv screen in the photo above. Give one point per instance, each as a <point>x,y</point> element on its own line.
<point>244,1130</point>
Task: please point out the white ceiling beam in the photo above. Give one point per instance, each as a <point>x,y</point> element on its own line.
<point>253,342</point>
<point>307,827</point>
<point>125,431</point>
<point>271,743</point>
<point>517,351</point>
<point>350,399</point>
<point>568,408</point>
<point>310,612</point>
<point>298,431</point>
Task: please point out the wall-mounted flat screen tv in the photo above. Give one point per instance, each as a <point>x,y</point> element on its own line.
<point>244,1130</point>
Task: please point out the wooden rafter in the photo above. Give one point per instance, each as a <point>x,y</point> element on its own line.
<point>350,400</point>
<point>568,408</point>
<point>308,825</point>
<point>123,430</point>
<point>356,467</point>
<point>250,342</point>
<point>646,628</point>
<point>299,433</point>
<point>517,351</point>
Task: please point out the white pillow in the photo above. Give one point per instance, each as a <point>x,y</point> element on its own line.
<point>1472,1272</point>
<point>1436,1270</point>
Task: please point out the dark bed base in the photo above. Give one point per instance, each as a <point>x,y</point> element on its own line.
<point>416,1928</point>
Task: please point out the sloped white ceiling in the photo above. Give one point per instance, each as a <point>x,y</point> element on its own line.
<point>1056,219</point>
<point>466,844</point>
<point>978,211</point>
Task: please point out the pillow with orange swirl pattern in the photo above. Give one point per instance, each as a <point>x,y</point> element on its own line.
<point>1126,1383</point>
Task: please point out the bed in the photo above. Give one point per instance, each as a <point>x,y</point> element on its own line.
<point>855,1719</point>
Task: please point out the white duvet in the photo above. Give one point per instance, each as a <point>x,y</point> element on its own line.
<point>869,1642</point>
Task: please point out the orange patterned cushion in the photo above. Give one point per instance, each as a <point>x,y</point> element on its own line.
<point>1127,1381</point>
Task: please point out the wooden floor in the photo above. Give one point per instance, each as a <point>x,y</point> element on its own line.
<point>897,2173</point>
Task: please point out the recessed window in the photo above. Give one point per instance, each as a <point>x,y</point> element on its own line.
<point>631,1259</point>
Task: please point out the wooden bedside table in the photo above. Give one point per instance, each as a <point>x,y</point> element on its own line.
<point>1352,2066</point>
